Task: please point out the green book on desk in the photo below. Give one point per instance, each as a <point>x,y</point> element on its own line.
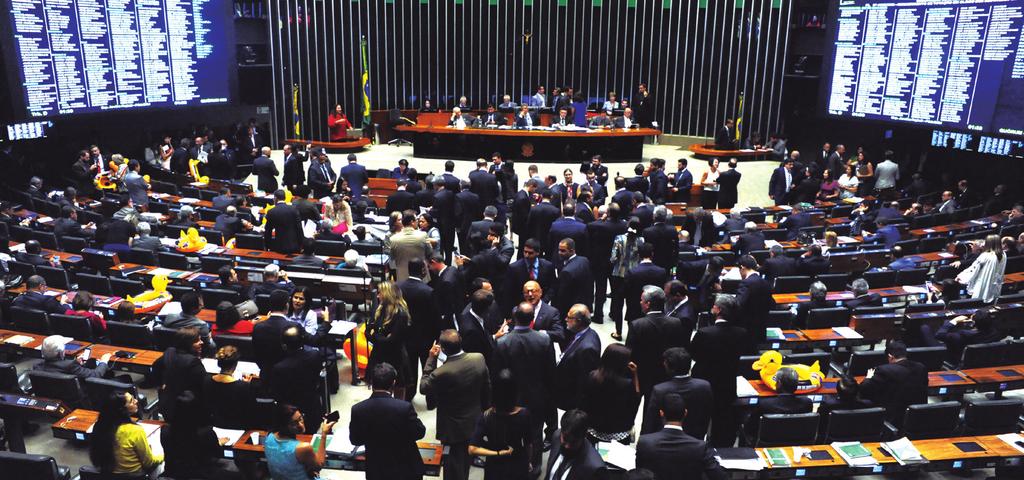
<point>777,457</point>
<point>774,333</point>
<point>855,450</point>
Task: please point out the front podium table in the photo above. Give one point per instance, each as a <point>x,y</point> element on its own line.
<point>536,145</point>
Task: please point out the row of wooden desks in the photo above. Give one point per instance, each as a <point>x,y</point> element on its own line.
<point>134,360</point>
<point>959,227</point>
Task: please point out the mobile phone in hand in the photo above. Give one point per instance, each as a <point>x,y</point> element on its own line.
<point>332,417</point>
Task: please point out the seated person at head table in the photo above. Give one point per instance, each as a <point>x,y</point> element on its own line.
<point>602,120</point>
<point>428,107</point>
<point>610,105</point>
<point>626,120</point>
<point>459,119</point>
<point>507,104</point>
<point>526,118</point>
<point>492,117</point>
<point>563,119</point>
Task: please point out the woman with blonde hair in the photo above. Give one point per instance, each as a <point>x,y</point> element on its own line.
<point>339,214</point>
<point>387,332</point>
<point>831,240</point>
<point>984,278</point>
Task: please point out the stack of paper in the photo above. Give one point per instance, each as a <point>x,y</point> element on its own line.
<point>337,444</point>
<point>615,453</point>
<point>231,435</point>
<point>847,332</point>
<point>854,454</point>
<point>771,243</point>
<point>903,451</point>
<point>743,388</point>
<point>341,327</point>
<point>169,308</point>
<point>740,459</point>
<point>19,340</point>
<point>914,289</point>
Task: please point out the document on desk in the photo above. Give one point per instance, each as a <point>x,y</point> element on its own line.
<point>903,451</point>
<point>243,368</point>
<point>854,454</point>
<point>1014,440</point>
<point>771,243</point>
<point>847,332</point>
<point>18,340</point>
<point>615,453</point>
<point>337,443</point>
<point>169,308</point>
<point>740,459</point>
<point>743,388</point>
<point>231,435</point>
<point>341,327</point>
<point>153,435</point>
<point>914,289</point>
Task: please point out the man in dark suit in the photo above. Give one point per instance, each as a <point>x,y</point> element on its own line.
<point>572,455</point>
<point>896,385</point>
<point>542,215</point>
<point>476,226</point>
<point>627,120</point>
<point>460,388</point>
<point>389,427</point>
<point>821,160</point>
<point>794,222</point>
<point>754,296</point>
<point>355,175</point>
<point>836,162</point>
<point>492,117</point>
<point>266,335</point>
<point>443,211</point>
<point>645,273</point>
<point>638,182</point>
<point>579,358</point>
<point>295,378</point>
<point>294,173</point>
<point>228,224</point>
<point>663,238</point>
<point>658,190</point>
<point>425,317</point>
<point>575,282</point>
<point>266,171</point>
<point>683,182</point>
<point>468,210</point>
<point>525,118</point>
<point>475,335</point>
<point>601,235</point>
<point>545,318</point>
<point>530,356</point>
<point>695,392</point>
<point>566,227</point>
<point>530,267</point>
<point>728,186</point>
<point>717,349</point>
<point>672,452</point>
<point>67,225</point>
<point>449,290</point>
<point>786,402</point>
<point>701,226</point>
<point>252,143</point>
<point>401,200</point>
<point>225,199</point>
<point>649,337</point>
<point>778,265</point>
<point>781,182</point>
<point>622,197</point>
<point>600,171</point>
<point>752,239</point>
<point>484,184</point>
<point>35,297</point>
<point>863,297</point>
<point>812,262</point>
<point>321,175</point>
<point>308,209</point>
<point>283,233</point>
<point>725,137</point>
<point>521,204</point>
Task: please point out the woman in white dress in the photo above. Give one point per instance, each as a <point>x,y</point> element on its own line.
<point>984,278</point>
<point>848,183</point>
<point>709,197</point>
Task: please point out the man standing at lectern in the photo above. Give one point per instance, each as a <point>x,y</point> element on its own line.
<point>725,139</point>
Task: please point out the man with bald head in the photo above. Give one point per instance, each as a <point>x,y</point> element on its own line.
<point>545,318</point>
<point>266,171</point>
<point>580,357</point>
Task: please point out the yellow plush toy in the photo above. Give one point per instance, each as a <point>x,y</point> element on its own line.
<point>193,168</point>
<point>287,199</point>
<point>771,362</point>
<point>191,242</point>
<point>152,300</point>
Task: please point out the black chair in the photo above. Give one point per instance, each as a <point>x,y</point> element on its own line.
<point>930,357</point>
<point>909,247</point>
<point>759,255</point>
<point>923,307</point>
<point>828,317</point>
<point>250,241</point>
<point>213,296</point>
<point>96,284</point>
<point>172,260</point>
<point>779,319</point>
<point>961,304</point>
<point>982,355</point>
<point>881,278</point>
<point>992,417</point>
<point>792,284</point>
<point>177,291</point>
<point>787,429</point>
<point>163,187</point>
<point>20,233</point>
<point>861,425</point>
<point>840,211</point>
<point>9,378</point>
<point>263,302</point>
<point>24,269</point>
<point>30,321</point>
<point>242,342</point>
<point>173,231</point>
<point>777,234</point>
<point>190,192</point>
<point>912,276</point>
<point>74,326</point>
<point>129,335</point>
<point>874,310</point>
<point>746,367</point>
<point>142,256</point>
<point>208,214</point>
<point>73,244</point>
<point>813,232</point>
<point>331,248</point>
<point>123,287</point>
<point>89,472</point>
<point>163,337</point>
<point>55,277</point>
<point>99,389</point>
<point>834,282</point>
<point>932,244</point>
<point>212,236</point>
<point>58,386</point>
<point>31,466</point>
<point>729,258</point>
<point>304,269</point>
<point>823,359</point>
<point>45,239</point>
<point>931,420</point>
<point>211,264</point>
<point>162,208</point>
<point>863,360</point>
<point>1014,298</point>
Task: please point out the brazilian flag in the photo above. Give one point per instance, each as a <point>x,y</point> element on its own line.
<point>296,119</point>
<point>366,87</point>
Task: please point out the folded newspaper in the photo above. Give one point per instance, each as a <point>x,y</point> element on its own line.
<point>903,451</point>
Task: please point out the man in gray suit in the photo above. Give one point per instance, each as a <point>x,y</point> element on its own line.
<point>530,355</point>
<point>408,244</point>
<point>460,389</point>
<point>137,186</point>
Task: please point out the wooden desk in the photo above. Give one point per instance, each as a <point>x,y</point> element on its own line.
<point>943,454</point>
<point>447,142</point>
<point>944,382</point>
<point>431,452</point>
<point>31,348</point>
<point>16,408</point>
<point>187,277</point>
<point>76,425</point>
<point>828,387</point>
<point>953,228</point>
<point>885,293</point>
<point>996,379</point>
<point>812,338</point>
<point>353,145</point>
<point>877,326</point>
<point>701,150</point>
<point>141,363</point>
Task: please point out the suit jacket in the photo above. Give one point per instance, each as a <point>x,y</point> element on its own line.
<point>581,356</point>
<point>266,341</point>
<point>708,232</point>
<point>620,122</point>
<point>895,386</point>
<point>794,223</point>
<point>283,233</point>
<point>478,228</point>
<point>475,337</point>
<point>425,316</point>
<point>754,296</point>
<point>649,337</point>
<point>781,266</point>
<point>666,245</point>
<point>37,301</point>
<point>496,118</point>
<point>321,184</point>
<point>566,192</point>
<point>601,236</point>
<point>521,121</point>
<point>468,119</point>
<point>575,285</point>
<point>401,201</point>
<point>684,181</point>
<point>782,403</point>
<point>716,351</point>
<point>389,427</point>
<point>696,393</point>
<point>405,246</point>
<point>308,210</point>
<point>485,185</point>
<point>658,190</point>
<point>518,273</point>
<point>293,173</point>
<point>538,223</point>
<point>137,189</point>
<point>70,366</point>
<point>836,164</point>
<point>812,266</point>
<point>467,211</point>
<point>725,138</point>
<point>451,182</point>
<point>748,242</point>
<point>449,292</point>
<point>461,389</point>
<point>222,202</point>
<point>673,454</point>
<point>225,224</point>
<point>530,355</point>
<point>566,227</point>
<point>586,464</point>
<point>634,282</point>
<point>355,175</point>
<point>66,227</point>
<point>869,300</point>
<point>521,204</point>
<point>296,381</point>
<point>443,209</point>
<point>266,174</point>
<point>728,192</point>
<point>777,186</point>
<point>601,121</point>
<point>638,184</point>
